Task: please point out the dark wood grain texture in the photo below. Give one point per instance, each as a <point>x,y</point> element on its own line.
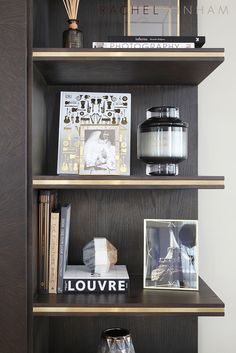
<point>59,68</point>
<point>41,335</point>
<point>116,214</point>
<point>13,178</point>
<point>34,241</point>
<point>152,335</point>
<point>143,97</point>
<point>39,123</point>
<point>119,215</point>
<point>40,23</point>
<point>97,19</point>
<point>188,18</point>
<point>12,12</point>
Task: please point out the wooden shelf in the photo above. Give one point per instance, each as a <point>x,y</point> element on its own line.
<point>138,302</point>
<point>75,182</point>
<point>130,66</point>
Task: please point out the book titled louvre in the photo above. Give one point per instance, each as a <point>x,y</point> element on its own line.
<point>78,279</point>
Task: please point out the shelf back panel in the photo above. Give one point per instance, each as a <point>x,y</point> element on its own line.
<point>172,334</point>
<point>97,19</point>
<point>119,216</point>
<point>142,98</point>
<point>115,214</point>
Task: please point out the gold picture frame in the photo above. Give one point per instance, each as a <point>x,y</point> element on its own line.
<point>102,141</point>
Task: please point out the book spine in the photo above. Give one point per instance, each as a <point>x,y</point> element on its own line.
<point>95,286</point>
<point>44,210</point>
<point>53,257</point>
<point>61,251</point>
<point>142,45</point>
<point>67,237</point>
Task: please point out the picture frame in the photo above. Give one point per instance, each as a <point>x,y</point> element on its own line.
<point>99,150</point>
<point>151,19</point>
<point>170,254</point>
<point>106,110</point>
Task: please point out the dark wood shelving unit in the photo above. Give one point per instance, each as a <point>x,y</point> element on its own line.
<point>116,206</point>
<point>137,302</point>
<point>33,74</point>
<point>132,182</point>
<point>121,67</point>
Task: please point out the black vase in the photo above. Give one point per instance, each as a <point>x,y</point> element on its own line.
<point>116,340</point>
<point>72,37</point>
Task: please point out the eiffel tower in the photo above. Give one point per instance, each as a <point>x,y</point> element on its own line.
<point>169,271</point>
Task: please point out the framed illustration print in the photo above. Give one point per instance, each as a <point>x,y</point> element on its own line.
<point>153,18</point>
<point>171,254</point>
<point>94,133</point>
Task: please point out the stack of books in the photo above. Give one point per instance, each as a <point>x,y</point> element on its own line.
<point>54,274</point>
<point>54,230</point>
<point>151,42</point>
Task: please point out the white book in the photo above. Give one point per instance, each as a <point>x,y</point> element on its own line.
<point>142,45</point>
<point>78,279</point>
<point>82,272</point>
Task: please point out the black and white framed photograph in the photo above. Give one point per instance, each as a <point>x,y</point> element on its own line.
<point>171,254</point>
<point>99,151</point>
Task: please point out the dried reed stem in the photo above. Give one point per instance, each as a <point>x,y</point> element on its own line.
<point>71,7</point>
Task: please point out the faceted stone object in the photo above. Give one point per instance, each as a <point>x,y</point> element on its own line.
<point>99,255</point>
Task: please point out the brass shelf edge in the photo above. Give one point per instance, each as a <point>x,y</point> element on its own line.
<point>107,54</point>
<point>125,310</point>
<point>84,182</point>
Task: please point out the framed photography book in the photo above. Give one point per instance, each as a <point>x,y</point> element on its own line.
<point>94,134</point>
<point>171,254</point>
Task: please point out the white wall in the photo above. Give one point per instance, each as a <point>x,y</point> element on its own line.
<point>217,156</point>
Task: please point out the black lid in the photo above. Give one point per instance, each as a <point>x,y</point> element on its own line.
<point>115,333</point>
<point>162,116</point>
<point>163,112</point>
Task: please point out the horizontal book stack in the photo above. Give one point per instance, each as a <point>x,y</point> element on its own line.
<point>151,42</point>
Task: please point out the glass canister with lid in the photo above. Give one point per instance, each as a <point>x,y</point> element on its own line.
<point>162,141</point>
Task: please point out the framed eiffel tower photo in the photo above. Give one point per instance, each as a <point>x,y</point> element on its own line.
<point>171,254</point>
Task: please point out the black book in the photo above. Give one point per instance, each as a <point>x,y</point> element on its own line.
<point>198,41</point>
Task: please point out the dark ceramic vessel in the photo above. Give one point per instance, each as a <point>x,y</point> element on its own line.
<point>116,340</point>
<point>72,37</point>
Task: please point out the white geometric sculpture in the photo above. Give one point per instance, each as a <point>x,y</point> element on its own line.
<point>99,255</point>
